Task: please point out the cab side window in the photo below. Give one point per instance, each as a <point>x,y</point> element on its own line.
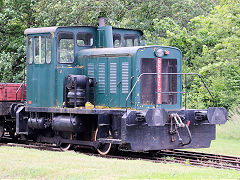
<point>65,47</point>
<point>30,50</point>
<point>48,49</point>
<point>131,40</point>
<point>84,39</point>
<point>116,40</point>
<point>39,50</point>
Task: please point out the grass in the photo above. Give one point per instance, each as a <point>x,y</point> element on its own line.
<point>228,136</point>
<point>230,130</point>
<point>223,146</point>
<point>17,162</point>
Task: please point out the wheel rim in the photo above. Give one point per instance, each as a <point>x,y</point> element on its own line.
<point>104,148</point>
<point>65,146</point>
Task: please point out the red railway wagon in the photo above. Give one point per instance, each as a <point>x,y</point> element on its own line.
<point>8,92</point>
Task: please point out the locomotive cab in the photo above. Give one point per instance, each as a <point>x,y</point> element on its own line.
<point>52,56</point>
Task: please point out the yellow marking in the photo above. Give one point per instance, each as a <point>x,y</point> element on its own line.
<point>80,67</point>
<point>89,105</point>
<point>106,107</point>
<point>52,34</point>
<point>137,94</point>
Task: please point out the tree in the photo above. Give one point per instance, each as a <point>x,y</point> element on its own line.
<point>211,46</point>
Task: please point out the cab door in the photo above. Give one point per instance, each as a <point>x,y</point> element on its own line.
<point>101,79</point>
<point>40,71</point>
<point>113,81</point>
<point>66,63</point>
<point>119,80</point>
<point>125,75</point>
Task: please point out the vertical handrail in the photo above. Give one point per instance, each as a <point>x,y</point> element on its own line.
<point>24,78</point>
<point>186,92</point>
<point>19,89</point>
<point>23,83</point>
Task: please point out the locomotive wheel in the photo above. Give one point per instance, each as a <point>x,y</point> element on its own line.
<point>104,148</point>
<point>65,146</point>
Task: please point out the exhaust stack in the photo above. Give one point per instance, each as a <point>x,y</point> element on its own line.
<point>105,36</point>
<point>101,21</point>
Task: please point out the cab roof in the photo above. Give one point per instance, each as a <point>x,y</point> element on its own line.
<point>54,28</point>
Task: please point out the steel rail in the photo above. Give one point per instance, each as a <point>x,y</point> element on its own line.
<point>205,156</point>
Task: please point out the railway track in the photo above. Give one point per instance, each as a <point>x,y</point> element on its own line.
<point>165,156</point>
<point>194,158</point>
<point>33,146</point>
<point>203,159</point>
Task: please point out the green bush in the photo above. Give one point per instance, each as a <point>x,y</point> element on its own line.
<point>211,47</point>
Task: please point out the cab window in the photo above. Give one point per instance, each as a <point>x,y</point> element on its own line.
<point>84,39</point>
<point>30,50</point>
<point>169,82</point>
<point>39,50</point>
<point>65,47</point>
<point>48,49</point>
<point>116,40</point>
<point>131,40</point>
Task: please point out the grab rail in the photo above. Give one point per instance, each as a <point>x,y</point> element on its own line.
<point>23,93</point>
<point>24,79</point>
<point>140,76</point>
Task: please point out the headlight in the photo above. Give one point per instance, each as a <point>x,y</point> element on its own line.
<point>159,52</point>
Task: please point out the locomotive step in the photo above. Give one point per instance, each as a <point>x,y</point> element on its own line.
<point>106,140</point>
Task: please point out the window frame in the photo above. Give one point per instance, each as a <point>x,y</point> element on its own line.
<point>51,48</point>
<point>128,36</point>
<point>148,93</point>
<point>171,80</point>
<point>58,47</point>
<point>85,33</point>
<point>44,38</point>
<point>119,36</point>
<point>39,50</point>
<point>32,49</point>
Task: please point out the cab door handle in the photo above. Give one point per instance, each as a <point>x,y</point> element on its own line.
<point>119,83</point>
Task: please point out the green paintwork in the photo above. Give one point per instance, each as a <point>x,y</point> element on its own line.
<point>105,36</point>
<point>132,55</point>
<point>46,81</point>
<point>111,65</point>
<point>41,83</point>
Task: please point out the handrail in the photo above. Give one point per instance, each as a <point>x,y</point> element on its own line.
<point>140,76</point>
<point>24,77</point>
<point>19,89</point>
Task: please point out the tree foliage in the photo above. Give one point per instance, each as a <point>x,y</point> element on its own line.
<point>206,31</point>
<point>211,47</point>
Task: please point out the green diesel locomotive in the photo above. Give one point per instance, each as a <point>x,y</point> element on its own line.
<point>100,87</point>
